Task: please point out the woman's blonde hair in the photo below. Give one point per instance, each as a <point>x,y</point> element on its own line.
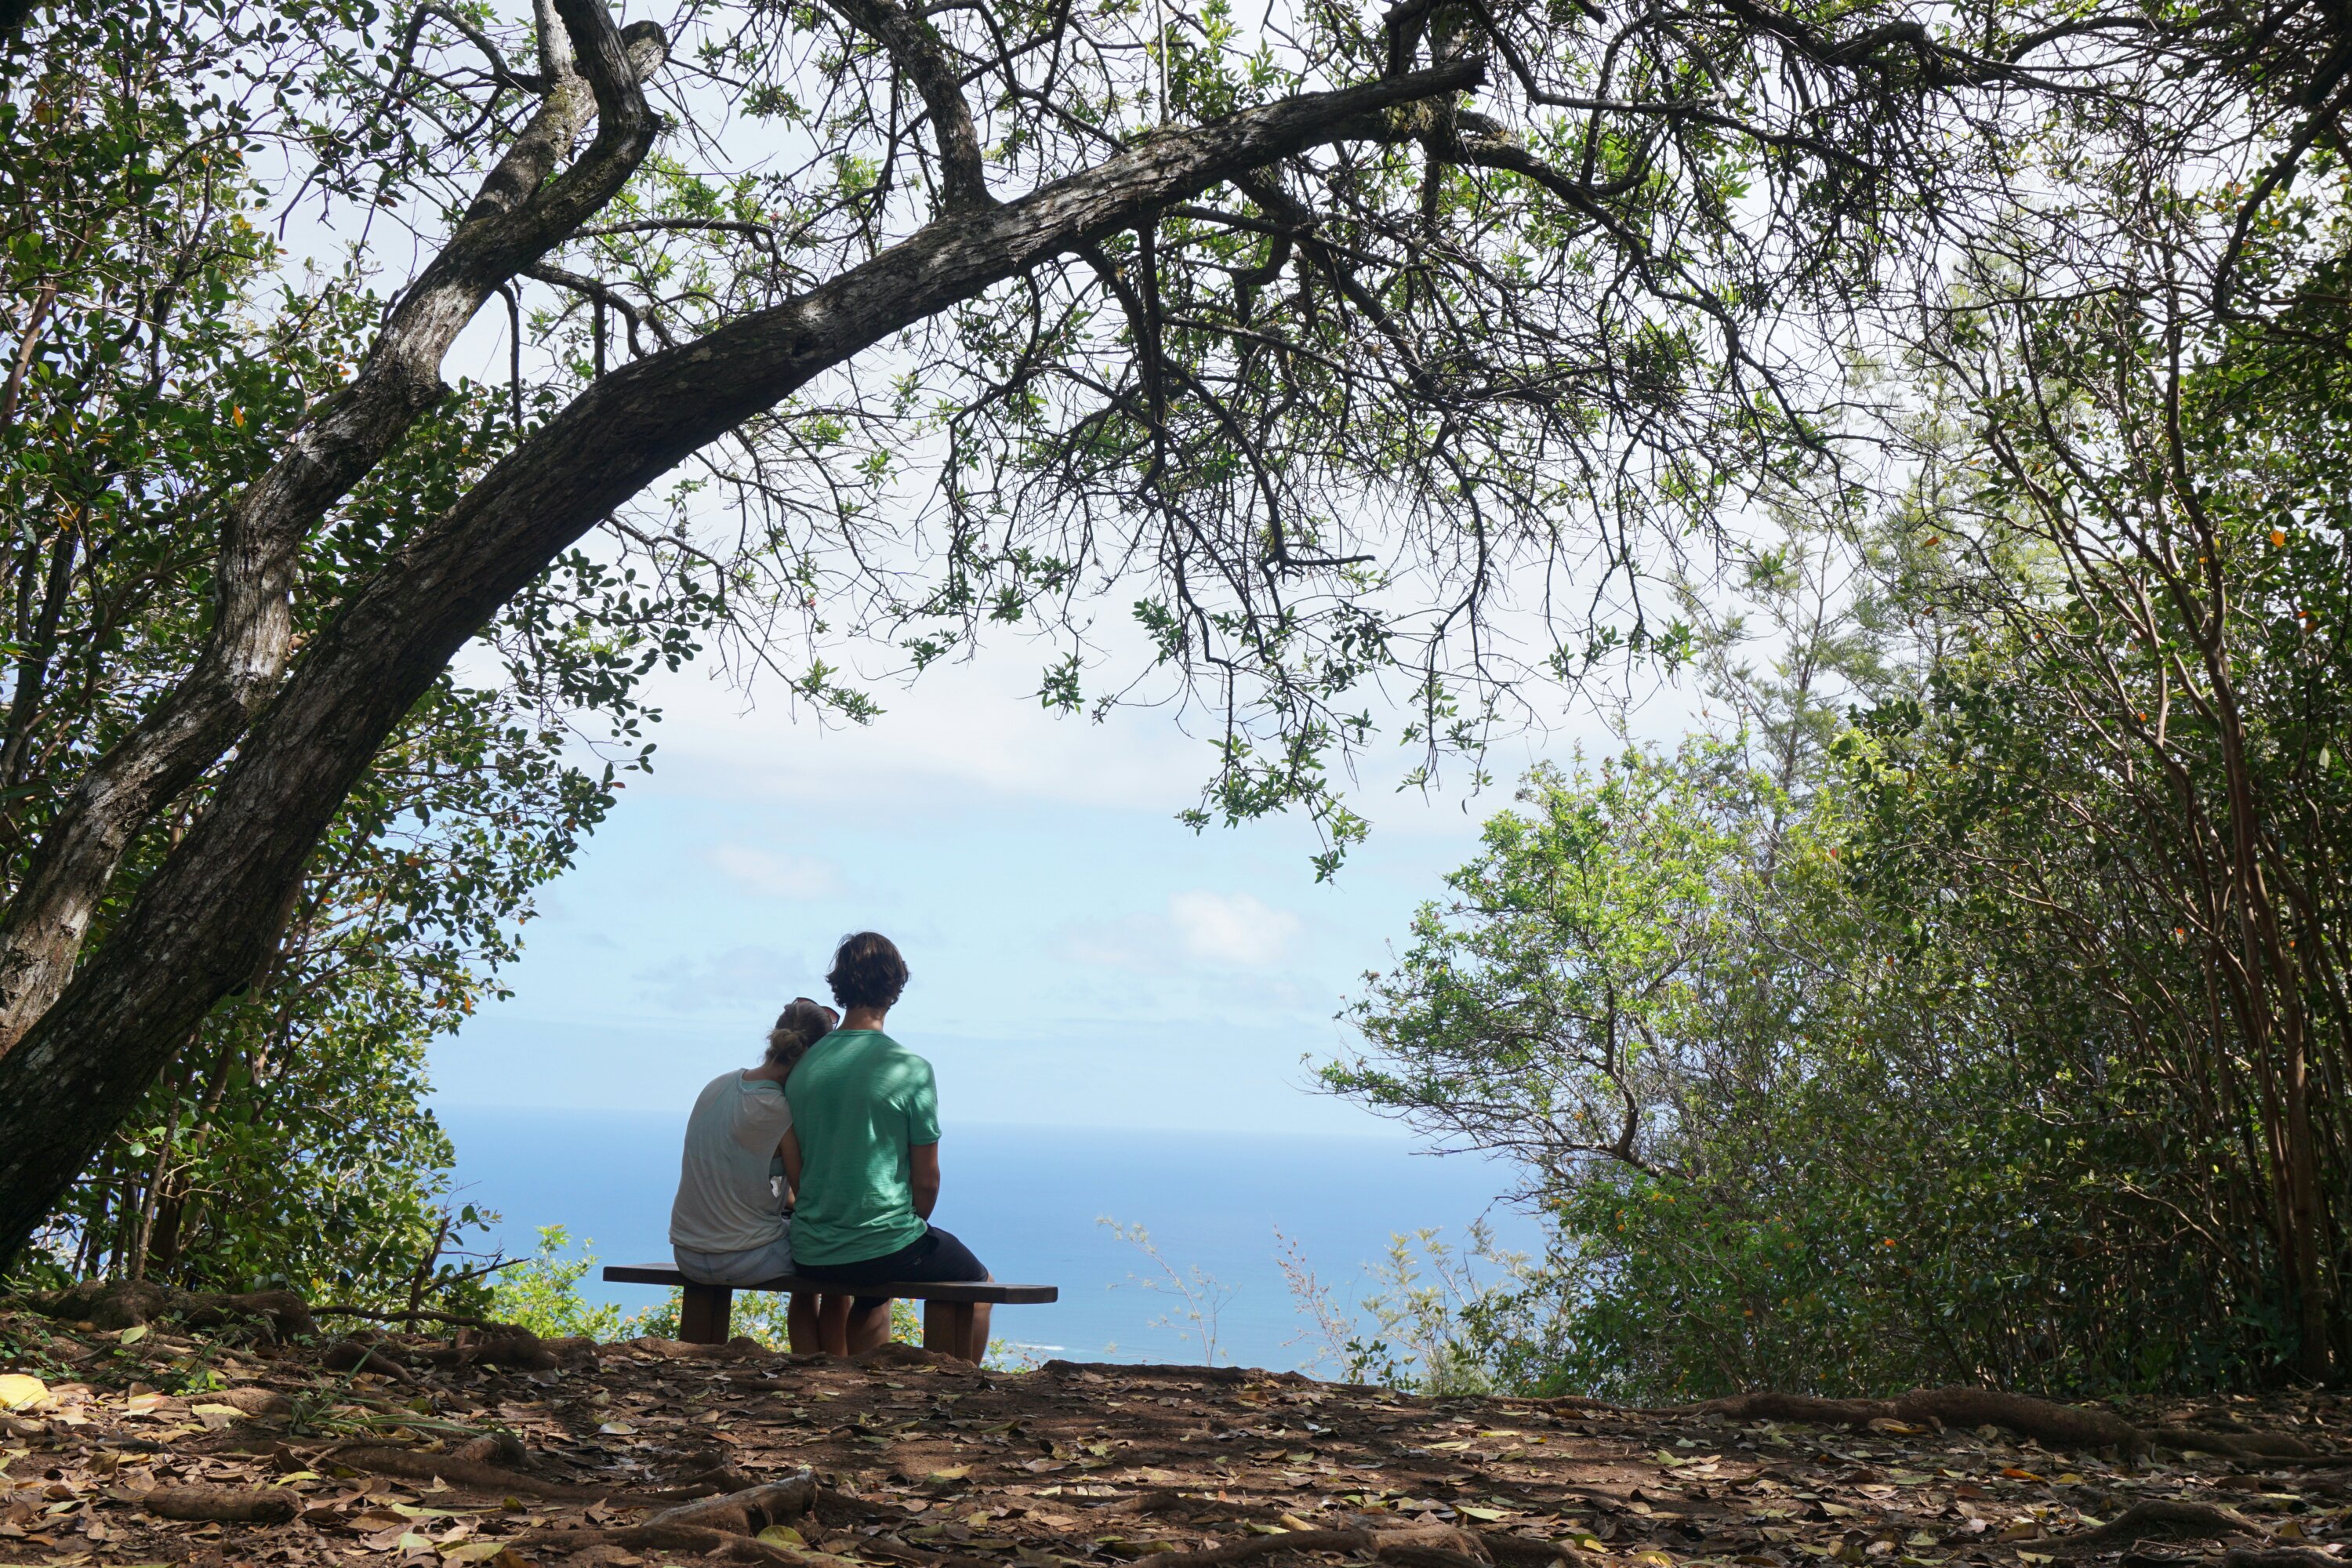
<point>798,1026</point>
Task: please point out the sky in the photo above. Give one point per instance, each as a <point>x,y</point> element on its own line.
<point>1080,958</point>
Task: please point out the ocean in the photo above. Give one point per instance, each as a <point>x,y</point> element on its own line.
<point>1029,1200</point>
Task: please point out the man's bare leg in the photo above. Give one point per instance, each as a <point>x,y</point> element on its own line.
<point>868,1329</point>
<point>800,1322</point>
<point>833,1323</point>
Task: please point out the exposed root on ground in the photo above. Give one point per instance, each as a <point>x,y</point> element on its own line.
<point>1437,1546</point>
<point>665,1538</point>
<point>2279,1557</point>
<point>219,1505</point>
<point>489,1449</point>
<point>2160,1520</point>
<point>2072,1428</point>
<point>136,1303</point>
<point>2237,1444</point>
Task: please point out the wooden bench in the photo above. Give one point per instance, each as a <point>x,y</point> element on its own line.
<point>703,1317</point>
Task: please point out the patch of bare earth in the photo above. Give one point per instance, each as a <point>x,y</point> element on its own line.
<point>504,1451</point>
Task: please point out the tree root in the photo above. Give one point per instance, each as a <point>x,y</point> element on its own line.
<point>496,1463</point>
<point>1437,1546</point>
<point>131,1304</point>
<point>725,1526</point>
<point>252,1400</point>
<point>2053,1425</point>
<point>2279,1557</point>
<point>891,1352</point>
<point>220,1505</point>
<point>461,1468</point>
<point>2169,1520</point>
<point>1188,1373</point>
<point>2233,1445</point>
<point>1512,1550</point>
<point>754,1508</point>
<point>503,1450</point>
<point>743,1347</point>
<point>356,1355</point>
<point>501,1345</point>
<point>1558,1401</point>
<point>684,1538</point>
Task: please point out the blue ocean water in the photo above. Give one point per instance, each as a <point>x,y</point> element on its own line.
<point>1028,1200</point>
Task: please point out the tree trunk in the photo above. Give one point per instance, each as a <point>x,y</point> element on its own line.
<point>518,216</point>
<point>200,927</point>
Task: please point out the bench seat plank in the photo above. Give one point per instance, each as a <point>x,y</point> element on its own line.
<point>906,1289</point>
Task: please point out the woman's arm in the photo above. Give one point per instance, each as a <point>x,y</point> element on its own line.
<point>789,1152</point>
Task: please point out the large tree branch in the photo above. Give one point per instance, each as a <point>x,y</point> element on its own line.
<point>915,48</point>
<point>201,925</point>
<point>516,216</point>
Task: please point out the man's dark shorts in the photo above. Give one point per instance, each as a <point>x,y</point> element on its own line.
<point>935,1257</point>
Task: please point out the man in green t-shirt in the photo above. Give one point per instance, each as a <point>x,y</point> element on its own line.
<point>866,1119</point>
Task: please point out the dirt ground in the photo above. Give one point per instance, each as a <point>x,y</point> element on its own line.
<point>593,1456</point>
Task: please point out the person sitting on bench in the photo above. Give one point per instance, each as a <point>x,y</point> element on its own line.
<point>730,1225</point>
<point>866,1120</point>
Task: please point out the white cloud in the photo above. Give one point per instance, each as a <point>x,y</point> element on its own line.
<point>1231,929</point>
<point>1220,930</point>
<point>759,975</point>
<point>776,876</point>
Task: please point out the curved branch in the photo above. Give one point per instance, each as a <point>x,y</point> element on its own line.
<point>202,922</point>
<point>916,50</point>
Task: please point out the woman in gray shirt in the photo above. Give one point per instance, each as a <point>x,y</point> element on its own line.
<point>730,1225</point>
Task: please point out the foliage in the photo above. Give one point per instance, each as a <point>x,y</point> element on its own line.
<point>1198,1297</point>
<point>541,1293</point>
<point>1430,1323</point>
<point>164,347</point>
<point>1916,1063</point>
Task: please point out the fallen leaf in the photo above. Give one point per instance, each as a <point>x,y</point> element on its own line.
<point>784,1535</point>
<point>21,1391</point>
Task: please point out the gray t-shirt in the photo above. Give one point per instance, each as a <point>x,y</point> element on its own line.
<point>725,1201</point>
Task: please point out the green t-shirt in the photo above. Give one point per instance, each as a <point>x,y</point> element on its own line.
<point>860,1101</point>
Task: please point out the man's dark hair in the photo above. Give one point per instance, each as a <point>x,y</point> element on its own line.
<point>866,971</point>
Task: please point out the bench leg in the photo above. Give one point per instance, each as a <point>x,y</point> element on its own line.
<point>948,1326</point>
<point>702,1319</point>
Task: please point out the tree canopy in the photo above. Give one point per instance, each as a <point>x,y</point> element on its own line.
<point>1312,372</point>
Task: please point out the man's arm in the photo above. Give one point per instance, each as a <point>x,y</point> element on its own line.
<point>923,1170</point>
